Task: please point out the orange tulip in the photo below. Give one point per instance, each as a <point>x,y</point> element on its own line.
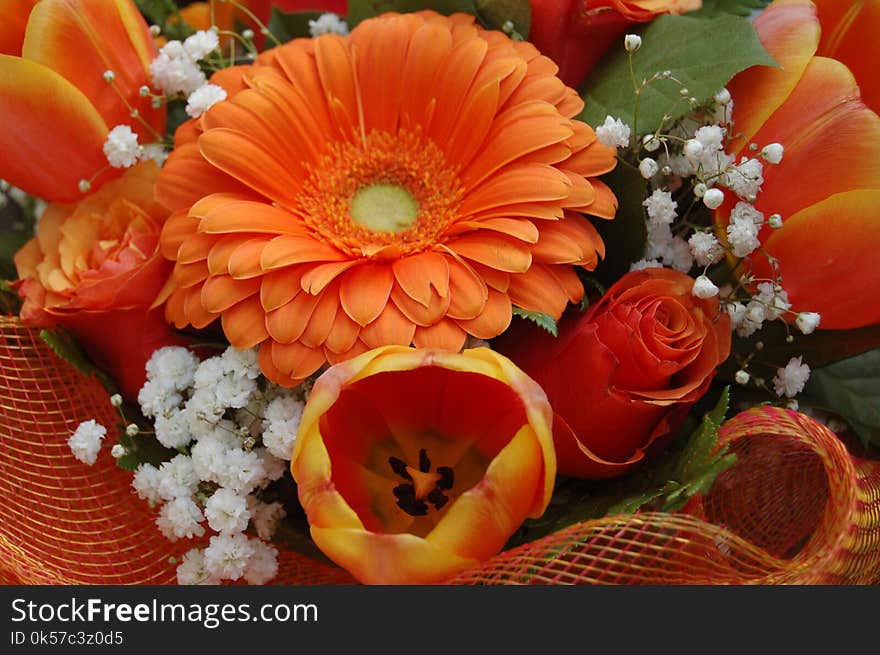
<point>56,107</point>
<point>827,187</point>
<point>849,34</point>
<point>413,465</point>
<point>13,21</point>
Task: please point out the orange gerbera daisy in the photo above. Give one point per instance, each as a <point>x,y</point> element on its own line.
<point>406,184</point>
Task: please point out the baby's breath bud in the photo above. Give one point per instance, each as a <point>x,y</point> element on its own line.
<point>753,147</point>
<point>807,322</point>
<point>109,76</point>
<point>772,154</point>
<point>116,400</point>
<point>693,149</point>
<point>135,113</point>
<point>632,42</point>
<point>84,186</point>
<point>704,288</point>
<point>683,91</point>
<point>248,34</point>
<point>666,170</point>
<point>666,75</point>
<point>507,27</point>
<point>648,168</point>
<point>155,30</point>
<point>775,221</point>
<point>713,198</point>
<point>722,97</point>
<point>157,102</point>
<point>264,31</point>
<point>792,405</point>
<point>132,430</point>
<point>742,377</point>
<point>700,189</point>
<point>650,142</point>
<point>118,451</point>
<point>789,338</point>
<point>759,345</point>
<point>144,91</point>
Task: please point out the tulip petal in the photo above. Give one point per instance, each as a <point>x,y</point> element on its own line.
<point>13,17</point>
<point>35,159</point>
<point>789,30</point>
<point>828,259</point>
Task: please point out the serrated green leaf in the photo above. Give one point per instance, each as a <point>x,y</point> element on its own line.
<point>697,454</point>
<point>701,53</point>
<point>494,13</point>
<point>359,10</point>
<point>625,236</point>
<point>286,26</point>
<point>541,319</point>
<point>851,388</point>
<point>712,8</point>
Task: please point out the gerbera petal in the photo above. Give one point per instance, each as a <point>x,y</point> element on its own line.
<point>539,290</point>
<point>391,327</point>
<point>178,228</point>
<point>418,274</point>
<point>468,292</point>
<point>474,123</point>
<point>244,261</point>
<point>416,312</point>
<point>445,334</point>
<point>43,164</point>
<point>317,277</point>
<point>187,178</point>
<point>494,319</point>
<point>605,204</point>
<point>365,290</point>
<point>296,361</point>
<point>221,251</point>
<point>196,314</point>
<point>572,240</point>
<point>244,324</point>
<point>289,249</point>
<point>287,322</point>
<point>493,250</point>
<point>279,287</point>
<point>221,292</point>
<point>235,154</point>
<point>322,319</point>
<point>343,334</point>
<point>514,227</point>
<point>518,184</point>
<point>429,47</point>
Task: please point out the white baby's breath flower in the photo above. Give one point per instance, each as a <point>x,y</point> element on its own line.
<point>710,137</point>
<point>642,264</point>
<point>790,381</point>
<point>241,471</point>
<point>227,556</point>
<point>177,478</point>
<point>172,430</point>
<point>807,322</point>
<point>774,298</point>
<point>121,147</point>
<point>146,483</point>
<point>280,425</point>
<point>201,44</point>
<point>227,511</point>
<point>705,248</point>
<point>262,565</point>
<point>203,98</point>
<point>265,516</point>
<point>745,179</point>
<point>85,442</point>
<point>648,168</point>
<point>613,133</point>
<point>660,206</point>
<point>180,518</point>
<point>173,367</point>
<point>118,451</point>
<point>704,288</point>
<point>193,571</point>
<point>154,152</point>
<point>327,24</point>
<point>156,399</point>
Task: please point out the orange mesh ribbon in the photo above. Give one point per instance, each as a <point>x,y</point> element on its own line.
<point>796,509</point>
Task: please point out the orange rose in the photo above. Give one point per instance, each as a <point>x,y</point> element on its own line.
<point>622,376</point>
<point>576,33</point>
<point>414,465</point>
<point>95,268</point>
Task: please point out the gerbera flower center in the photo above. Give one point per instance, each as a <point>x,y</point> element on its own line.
<point>385,193</point>
<point>384,208</point>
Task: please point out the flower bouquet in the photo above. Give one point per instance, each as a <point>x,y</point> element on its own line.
<point>439,291</point>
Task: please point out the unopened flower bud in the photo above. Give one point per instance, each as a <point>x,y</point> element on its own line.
<point>807,322</point>
<point>632,42</point>
<point>132,430</point>
<point>693,149</point>
<point>773,153</point>
<point>116,400</point>
<point>742,377</point>
<point>109,76</point>
<point>775,221</point>
<point>713,198</point>
<point>84,186</point>
<point>704,288</point>
<point>700,189</point>
<point>722,97</point>
<point>648,168</point>
<point>118,451</point>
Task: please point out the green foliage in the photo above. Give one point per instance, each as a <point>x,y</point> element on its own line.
<point>166,15</point>
<point>359,10</point>
<point>10,303</point>
<point>703,54</point>
<point>539,318</point>
<point>494,13</point>
<point>294,25</point>
<point>663,485</point>
<point>142,449</point>
<point>713,8</point>
<point>851,388</point>
<point>16,228</point>
<point>625,236</point>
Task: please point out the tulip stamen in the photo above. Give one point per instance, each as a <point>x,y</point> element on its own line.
<point>422,485</point>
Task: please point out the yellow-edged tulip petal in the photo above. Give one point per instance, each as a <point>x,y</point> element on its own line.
<point>13,21</point>
<point>35,100</point>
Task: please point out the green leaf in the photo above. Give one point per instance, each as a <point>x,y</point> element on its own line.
<point>359,10</point>
<point>851,388</point>
<point>494,13</point>
<point>702,53</point>
<point>157,11</point>
<point>293,25</point>
<point>67,349</point>
<point>712,8</point>
<point>16,229</point>
<point>539,318</point>
<point>142,449</point>
<point>696,454</point>
<point>625,236</point>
